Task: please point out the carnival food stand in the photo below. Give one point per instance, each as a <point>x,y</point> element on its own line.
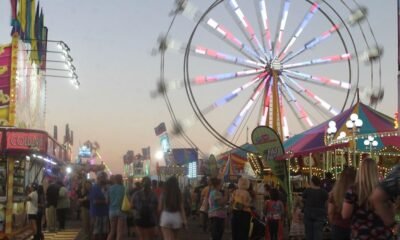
<point>26,156</point>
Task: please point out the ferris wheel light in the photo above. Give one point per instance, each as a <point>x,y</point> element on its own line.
<point>375,143</point>
<point>366,142</point>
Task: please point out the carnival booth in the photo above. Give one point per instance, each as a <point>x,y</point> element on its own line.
<point>231,164</point>
<point>316,150</point>
<point>27,156</point>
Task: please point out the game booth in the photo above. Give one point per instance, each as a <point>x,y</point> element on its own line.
<point>26,156</point>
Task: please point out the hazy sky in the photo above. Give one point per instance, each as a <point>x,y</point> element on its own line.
<point>111,42</point>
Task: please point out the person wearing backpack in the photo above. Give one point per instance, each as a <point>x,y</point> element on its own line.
<point>145,203</point>
<point>274,210</point>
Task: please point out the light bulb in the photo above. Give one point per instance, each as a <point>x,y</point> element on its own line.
<point>353,117</point>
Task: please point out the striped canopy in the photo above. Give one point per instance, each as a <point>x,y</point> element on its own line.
<point>374,123</point>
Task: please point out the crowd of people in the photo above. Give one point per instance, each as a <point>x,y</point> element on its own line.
<point>54,203</point>
<point>358,205</point>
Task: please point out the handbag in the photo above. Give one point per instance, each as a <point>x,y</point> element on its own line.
<point>126,205</point>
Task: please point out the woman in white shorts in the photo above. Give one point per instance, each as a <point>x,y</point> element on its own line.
<point>173,216</point>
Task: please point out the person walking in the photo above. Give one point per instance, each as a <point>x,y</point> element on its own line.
<point>385,199</point>
<point>204,206</point>
<point>99,208</point>
<point>63,205</point>
<point>116,193</point>
<point>340,228</point>
<point>83,198</point>
<point>297,226</point>
<point>274,210</point>
<point>357,206</point>
<point>217,210</point>
<point>51,205</point>
<point>32,206</point>
<point>172,211</point>
<point>241,211</point>
<point>41,209</point>
<point>315,213</point>
<point>145,204</point>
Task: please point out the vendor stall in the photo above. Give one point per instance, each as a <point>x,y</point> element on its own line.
<point>311,152</point>
<point>26,156</point>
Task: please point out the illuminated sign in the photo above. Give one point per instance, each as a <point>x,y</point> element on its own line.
<point>85,152</point>
<point>192,170</point>
<point>27,141</point>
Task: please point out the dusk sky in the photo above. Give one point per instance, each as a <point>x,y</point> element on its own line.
<point>111,44</point>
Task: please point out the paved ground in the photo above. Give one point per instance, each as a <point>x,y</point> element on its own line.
<point>68,234</point>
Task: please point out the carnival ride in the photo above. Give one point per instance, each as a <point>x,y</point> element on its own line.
<point>307,67</point>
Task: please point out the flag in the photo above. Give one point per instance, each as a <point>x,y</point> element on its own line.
<point>28,20</point>
<point>34,42</point>
<point>146,153</point>
<point>22,16</point>
<point>44,48</point>
<point>13,10</point>
<point>34,19</point>
<point>160,129</point>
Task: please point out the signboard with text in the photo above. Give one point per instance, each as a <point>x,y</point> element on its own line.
<point>26,141</point>
<point>269,145</point>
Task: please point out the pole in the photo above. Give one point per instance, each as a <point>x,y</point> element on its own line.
<point>354,146</point>
<point>334,157</point>
<point>309,165</point>
<point>342,158</point>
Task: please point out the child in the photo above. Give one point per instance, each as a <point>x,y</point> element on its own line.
<point>297,226</point>
<point>274,210</point>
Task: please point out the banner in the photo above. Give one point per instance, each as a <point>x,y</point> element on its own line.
<point>160,129</point>
<point>5,76</point>
<point>146,153</point>
<point>184,155</point>
<point>269,145</point>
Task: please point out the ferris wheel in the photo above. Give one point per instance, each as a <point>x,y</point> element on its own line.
<point>286,64</point>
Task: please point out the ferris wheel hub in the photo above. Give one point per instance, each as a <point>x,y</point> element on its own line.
<point>276,65</point>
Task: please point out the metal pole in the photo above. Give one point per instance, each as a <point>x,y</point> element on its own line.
<point>309,164</point>
<point>354,147</point>
<point>334,157</point>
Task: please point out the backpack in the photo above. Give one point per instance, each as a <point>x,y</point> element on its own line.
<point>145,210</point>
<point>274,210</point>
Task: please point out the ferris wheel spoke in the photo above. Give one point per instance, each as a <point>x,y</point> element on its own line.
<point>207,79</point>
<point>210,53</point>
<point>279,33</point>
<point>243,112</point>
<point>318,101</point>
<point>318,61</point>
<point>296,106</point>
<point>333,83</point>
<point>193,13</point>
<point>264,27</point>
<point>313,42</point>
<point>307,18</point>
<point>266,103</point>
<point>232,95</point>
<point>292,108</point>
<point>356,17</point>
<point>285,126</point>
<point>213,54</point>
<point>245,26</point>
